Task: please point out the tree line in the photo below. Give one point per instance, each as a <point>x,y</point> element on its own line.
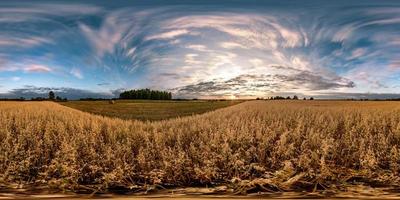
<point>284,98</point>
<point>146,94</point>
<point>52,97</point>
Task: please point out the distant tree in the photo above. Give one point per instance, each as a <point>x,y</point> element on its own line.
<point>51,95</point>
<point>311,98</point>
<point>58,98</point>
<point>288,98</point>
<point>37,99</point>
<point>304,98</point>
<point>278,97</point>
<point>295,97</point>
<point>169,95</point>
<point>65,99</point>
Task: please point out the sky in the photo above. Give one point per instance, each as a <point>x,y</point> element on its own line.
<point>201,49</point>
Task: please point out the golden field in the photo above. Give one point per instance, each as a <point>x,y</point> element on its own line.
<point>267,146</point>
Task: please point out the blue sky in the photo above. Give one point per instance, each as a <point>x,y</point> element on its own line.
<point>202,49</point>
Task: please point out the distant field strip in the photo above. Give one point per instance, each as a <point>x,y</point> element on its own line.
<point>268,146</point>
<point>148,109</point>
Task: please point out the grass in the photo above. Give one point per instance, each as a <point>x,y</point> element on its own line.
<point>148,109</point>
<point>267,146</point>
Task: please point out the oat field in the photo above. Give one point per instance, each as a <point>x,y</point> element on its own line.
<point>255,146</point>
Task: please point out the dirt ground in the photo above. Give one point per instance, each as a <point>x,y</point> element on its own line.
<point>359,192</point>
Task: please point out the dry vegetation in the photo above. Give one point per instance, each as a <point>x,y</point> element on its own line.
<point>254,146</point>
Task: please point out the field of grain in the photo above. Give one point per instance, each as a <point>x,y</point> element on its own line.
<point>255,146</point>
<point>148,109</point>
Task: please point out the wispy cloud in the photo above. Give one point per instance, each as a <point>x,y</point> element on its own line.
<point>168,35</point>
<point>76,72</point>
<point>395,64</point>
<point>232,45</point>
<point>357,53</point>
<point>28,11</point>
<point>37,68</point>
<point>24,42</point>
<point>107,37</point>
<point>15,78</point>
<point>246,28</point>
<point>198,47</point>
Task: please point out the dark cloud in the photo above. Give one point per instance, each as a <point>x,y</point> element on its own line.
<point>316,82</point>
<point>116,92</point>
<point>248,84</point>
<point>342,95</point>
<point>29,91</point>
<point>172,75</point>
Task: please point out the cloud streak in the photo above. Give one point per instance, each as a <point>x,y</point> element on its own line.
<point>37,68</point>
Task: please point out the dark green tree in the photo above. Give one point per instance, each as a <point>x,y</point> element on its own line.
<point>146,94</point>
<point>51,95</point>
